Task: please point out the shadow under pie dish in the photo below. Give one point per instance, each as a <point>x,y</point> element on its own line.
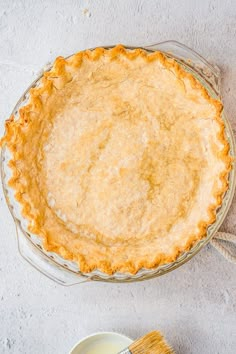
<point>119,160</point>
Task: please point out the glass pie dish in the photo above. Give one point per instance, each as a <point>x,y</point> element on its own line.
<point>67,272</point>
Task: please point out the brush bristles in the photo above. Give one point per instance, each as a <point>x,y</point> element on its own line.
<point>151,343</point>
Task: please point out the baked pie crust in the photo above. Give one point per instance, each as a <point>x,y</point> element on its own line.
<point>119,160</point>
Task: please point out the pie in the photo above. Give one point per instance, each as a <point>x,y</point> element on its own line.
<point>119,159</point>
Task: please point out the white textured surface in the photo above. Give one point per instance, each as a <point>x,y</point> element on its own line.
<point>194,305</point>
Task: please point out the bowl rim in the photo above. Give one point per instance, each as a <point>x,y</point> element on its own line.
<point>100,334</point>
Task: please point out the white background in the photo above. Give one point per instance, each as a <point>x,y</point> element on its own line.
<point>195,305</point>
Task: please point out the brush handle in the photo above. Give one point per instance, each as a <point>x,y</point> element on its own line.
<point>125,351</point>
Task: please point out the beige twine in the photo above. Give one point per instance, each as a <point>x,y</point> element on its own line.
<point>230,239</point>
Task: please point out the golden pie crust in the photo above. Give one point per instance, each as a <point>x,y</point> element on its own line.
<point>119,159</point>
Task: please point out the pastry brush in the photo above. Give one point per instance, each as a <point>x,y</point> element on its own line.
<point>151,343</point>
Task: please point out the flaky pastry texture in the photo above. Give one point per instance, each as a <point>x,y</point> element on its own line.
<point>119,160</point>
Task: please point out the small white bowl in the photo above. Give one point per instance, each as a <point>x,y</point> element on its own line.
<point>102,342</point>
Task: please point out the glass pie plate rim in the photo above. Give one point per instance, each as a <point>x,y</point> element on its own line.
<point>67,272</point>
